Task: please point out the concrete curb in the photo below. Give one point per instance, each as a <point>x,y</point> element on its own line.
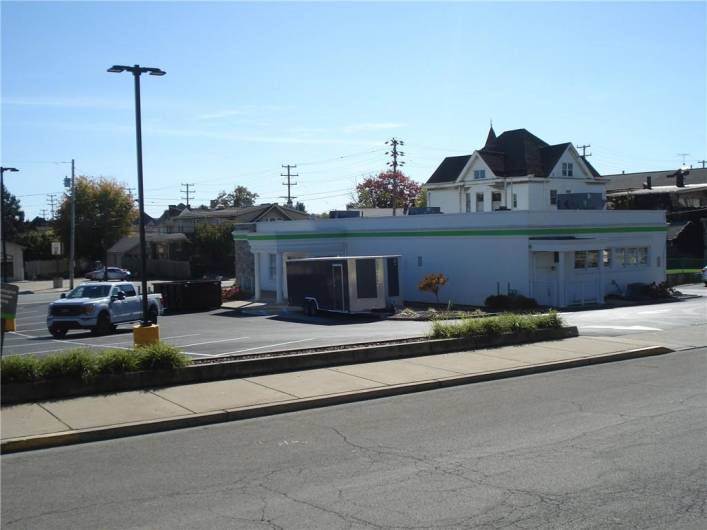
<point>45,441</point>
<point>286,361</point>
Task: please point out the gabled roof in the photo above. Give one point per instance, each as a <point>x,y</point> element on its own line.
<point>449,169</point>
<point>514,153</point>
<point>244,215</point>
<point>129,242</point>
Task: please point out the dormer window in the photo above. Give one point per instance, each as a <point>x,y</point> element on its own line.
<point>479,174</point>
<point>567,169</point>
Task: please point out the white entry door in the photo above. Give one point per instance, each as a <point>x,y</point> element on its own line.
<point>545,277</point>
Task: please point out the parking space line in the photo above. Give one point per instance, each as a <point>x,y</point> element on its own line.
<point>210,342</point>
<point>260,347</point>
<point>35,329</point>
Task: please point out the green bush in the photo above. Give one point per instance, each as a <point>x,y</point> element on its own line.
<point>496,325</point>
<point>84,364</point>
<point>502,302</point>
<point>160,356</point>
<point>116,362</point>
<point>19,369</point>
<point>75,364</point>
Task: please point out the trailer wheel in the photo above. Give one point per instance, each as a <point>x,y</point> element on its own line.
<point>312,308</point>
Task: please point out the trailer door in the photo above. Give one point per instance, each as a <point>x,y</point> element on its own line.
<point>337,273</point>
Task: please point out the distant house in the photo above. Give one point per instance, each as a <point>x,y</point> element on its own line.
<point>167,255</point>
<point>188,219</point>
<point>683,196</point>
<point>13,264</point>
<point>516,171</point>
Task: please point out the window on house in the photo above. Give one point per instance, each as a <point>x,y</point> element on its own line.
<point>479,174</point>
<point>580,259</point>
<point>592,259</point>
<point>606,257</point>
<point>567,169</point>
<point>515,201</point>
<point>479,202</point>
<point>631,256</point>
<point>468,202</point>
<point>272,260</point>
<point>619,257</point>
<point>495,200</point>
<point>553,196</point>
<point>643,256</point>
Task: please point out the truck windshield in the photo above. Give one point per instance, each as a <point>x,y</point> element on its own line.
<point>89,291</point>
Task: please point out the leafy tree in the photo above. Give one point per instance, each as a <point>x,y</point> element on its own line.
<point>240,197</point>
<point>432,283</point>
<point>377,192</point>
<point>300,207</point>
<point>421,199</point>
<point>38,244</point>
<point>12,215</point>
<point>105,212</point>
<point>213,249</point>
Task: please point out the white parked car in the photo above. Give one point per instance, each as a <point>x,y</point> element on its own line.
<point>704,275</point>
<point>114,273</point>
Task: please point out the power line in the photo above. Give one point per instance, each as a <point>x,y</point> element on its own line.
<point>394,153</point>
<point>289,183</point>
<point>187,192</point>
<point>584,150</point>
<point>51,199</point>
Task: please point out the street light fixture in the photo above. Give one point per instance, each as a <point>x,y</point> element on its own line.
<point>137,71</point>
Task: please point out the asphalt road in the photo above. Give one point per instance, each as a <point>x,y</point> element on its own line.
<point>620,445</point>
<point>227,332</point>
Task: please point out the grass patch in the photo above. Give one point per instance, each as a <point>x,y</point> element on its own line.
<point>682,271</point>
<point>83,364</point>
<point>496,325</point>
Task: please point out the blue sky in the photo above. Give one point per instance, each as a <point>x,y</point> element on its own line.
<point>251,86</point>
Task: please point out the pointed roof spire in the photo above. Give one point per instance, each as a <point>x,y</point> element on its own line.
<point>491,138</point>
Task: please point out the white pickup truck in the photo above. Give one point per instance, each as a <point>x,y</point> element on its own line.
<point>100,307</point>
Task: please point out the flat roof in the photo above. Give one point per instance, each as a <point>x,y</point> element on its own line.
<point>325,258</point>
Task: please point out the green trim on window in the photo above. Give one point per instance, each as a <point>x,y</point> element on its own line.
<point>489,232</point>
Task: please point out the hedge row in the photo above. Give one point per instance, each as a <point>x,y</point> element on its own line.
<point>496,325</point>
<point>84,364</point>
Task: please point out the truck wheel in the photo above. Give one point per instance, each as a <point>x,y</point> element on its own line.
<point>312,308</point>
<point>152,314</point>
<point>103,326</point>
<point>57,332</point>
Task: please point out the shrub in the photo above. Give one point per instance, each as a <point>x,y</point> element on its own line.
<point>76,364</point>
<point>18,369</point>
<point>116,362</point>
<point>503,302</point>
<point>84,364</point>
<point>432,283</point>
<point>496,325</point>
<point>160,356</point>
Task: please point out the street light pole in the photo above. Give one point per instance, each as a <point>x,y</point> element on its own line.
<point>72,243</point>
<point>138,70</point>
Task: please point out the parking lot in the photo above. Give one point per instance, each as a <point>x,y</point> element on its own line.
<point>225,332</point>
<point>211,334</point>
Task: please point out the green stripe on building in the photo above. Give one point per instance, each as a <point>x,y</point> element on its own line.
<point>490,232</point>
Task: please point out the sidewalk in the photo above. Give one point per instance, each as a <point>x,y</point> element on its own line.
<point>62,422</point>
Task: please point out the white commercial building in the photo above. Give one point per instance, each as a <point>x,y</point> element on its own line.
<point>558,257</point>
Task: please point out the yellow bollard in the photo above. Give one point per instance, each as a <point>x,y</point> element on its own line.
<point>145,335</point>
<point>9,324</point>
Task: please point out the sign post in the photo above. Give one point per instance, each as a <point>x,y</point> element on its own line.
<point>8,309</point>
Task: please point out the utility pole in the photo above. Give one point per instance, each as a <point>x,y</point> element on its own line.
<point>289,183</point>
<point>187,192</point>
<point>584,150</point>
<point>44,213</point>
<point>703,162</point>
<point>51,200</point>
<point>394,153</point>
<point>72,243</point>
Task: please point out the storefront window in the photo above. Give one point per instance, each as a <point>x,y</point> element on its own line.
<point>592,259</point>
<point>580,259</point>
<point>606,257</point>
